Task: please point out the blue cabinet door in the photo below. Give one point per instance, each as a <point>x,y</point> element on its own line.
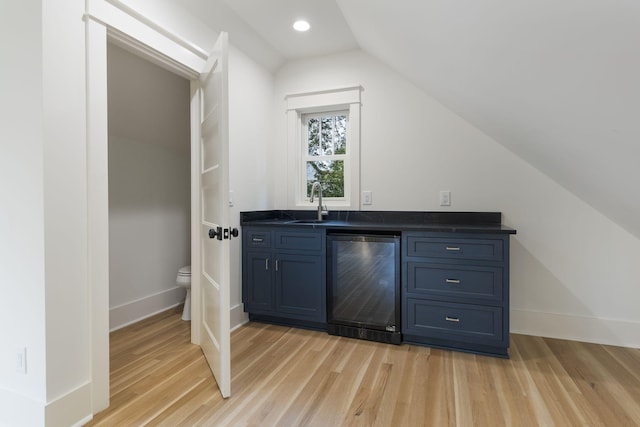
<point>300,291</point>
<point>258,286</point>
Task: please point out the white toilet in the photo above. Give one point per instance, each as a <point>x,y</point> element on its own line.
<point>184,280</point>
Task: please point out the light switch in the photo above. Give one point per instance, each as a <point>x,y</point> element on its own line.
<point>445,198</point>
<point>21,360</point>
<point>367,198</point>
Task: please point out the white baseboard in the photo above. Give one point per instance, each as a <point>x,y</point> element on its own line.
<point>142,308</point>
<point>238,316</point>
<point>576,328</point>
<point>71,409</point>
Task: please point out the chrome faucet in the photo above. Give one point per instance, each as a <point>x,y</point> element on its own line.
<point>321,210</point>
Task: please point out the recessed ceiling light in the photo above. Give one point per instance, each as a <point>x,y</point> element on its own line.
<point>301,25</point>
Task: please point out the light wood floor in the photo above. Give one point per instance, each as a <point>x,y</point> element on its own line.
<point>292,377</point>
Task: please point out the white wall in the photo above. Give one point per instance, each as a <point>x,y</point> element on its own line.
<point>149,197</point>
<point>572,269</point>
<point>65,200</point>
<point>250,135</point>
<point>149,186</point>
<point>43,249</point>
<point>22,214</point>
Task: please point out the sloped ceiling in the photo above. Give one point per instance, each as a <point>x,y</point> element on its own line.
<point>557,82</point>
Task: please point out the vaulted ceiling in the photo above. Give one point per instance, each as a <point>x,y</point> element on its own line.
<point>554,81</point>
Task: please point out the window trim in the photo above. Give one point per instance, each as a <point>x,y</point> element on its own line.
<point>299,104</point>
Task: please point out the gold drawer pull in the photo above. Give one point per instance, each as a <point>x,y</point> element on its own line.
<point>452,319</point>
<point>452,248</point>
<point>454,281</point>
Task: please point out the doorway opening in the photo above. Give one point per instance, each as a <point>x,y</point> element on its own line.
<point>170,52</point>
<point>149,176</point>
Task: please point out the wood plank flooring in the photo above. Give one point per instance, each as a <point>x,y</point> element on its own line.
<point>291,377</point>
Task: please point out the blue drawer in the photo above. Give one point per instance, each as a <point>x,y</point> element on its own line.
<point>309,241</point>
<point>468,322</point>
<point>452,248</point>
<point>257,238</point>
<point>481,283</point>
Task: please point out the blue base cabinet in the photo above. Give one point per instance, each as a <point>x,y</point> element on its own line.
<point>455,291</point>
<point>454,279</point>
<point>283,275</point>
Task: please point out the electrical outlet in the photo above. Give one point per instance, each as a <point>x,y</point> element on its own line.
<point>445,198</point>
<point>367,198</point>
<point>21,360</point>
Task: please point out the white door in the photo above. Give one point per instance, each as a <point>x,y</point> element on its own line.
<point>210,133</point>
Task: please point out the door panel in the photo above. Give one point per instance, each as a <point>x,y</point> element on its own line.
<point>211,151</point>
<point>213,190</point>
<point>211,212</point>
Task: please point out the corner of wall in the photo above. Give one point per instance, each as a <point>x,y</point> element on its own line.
<point>238,317</point>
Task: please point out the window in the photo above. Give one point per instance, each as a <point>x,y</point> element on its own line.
<point>324,145</point>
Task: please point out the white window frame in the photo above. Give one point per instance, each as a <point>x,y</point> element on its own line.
<point>306,157</point>
<point>334,100</point>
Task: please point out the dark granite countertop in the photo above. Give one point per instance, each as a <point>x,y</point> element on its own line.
<point>446,222</point>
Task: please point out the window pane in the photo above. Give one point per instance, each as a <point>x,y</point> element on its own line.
<point>340,134</point>
<point>313,136</point>
<point>327,135</point>
<point>330,174</point>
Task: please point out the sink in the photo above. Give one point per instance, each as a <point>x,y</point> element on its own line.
<point>307,221</point>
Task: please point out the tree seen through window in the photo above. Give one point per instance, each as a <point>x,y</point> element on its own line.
<point>326,137</point>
